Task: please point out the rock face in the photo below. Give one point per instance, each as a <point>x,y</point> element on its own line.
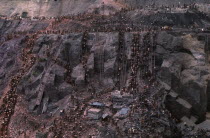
<point>48,78</point>
<point>9,64</point>
<point>186,71</point>
<point>178,106</point>
<point>78,74</point>
<point>183,69</point>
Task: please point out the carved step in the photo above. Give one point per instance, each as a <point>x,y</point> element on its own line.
<point>177,106</point>
<point>174,94</point>
<point>184,103</point>
<point>165,85</point>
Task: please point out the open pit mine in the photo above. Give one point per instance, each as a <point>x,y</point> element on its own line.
<point>104,68</point>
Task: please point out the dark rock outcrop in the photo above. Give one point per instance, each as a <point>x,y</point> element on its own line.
<point>187,74</point>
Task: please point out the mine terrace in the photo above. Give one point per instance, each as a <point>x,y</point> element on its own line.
<point>104,69</point>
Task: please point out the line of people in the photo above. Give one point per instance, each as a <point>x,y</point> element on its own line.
<point>10,99</point>
<point>142,62</point>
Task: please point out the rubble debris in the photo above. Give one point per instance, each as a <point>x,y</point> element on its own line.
<point>124,98</point>
<point>104,116</point>
<point>97,104</point>
<point>122,113</point>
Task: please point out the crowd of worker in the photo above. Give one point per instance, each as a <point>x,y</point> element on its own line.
<point>10,99</point>
<point>142,60</point>
<point>98,23</point>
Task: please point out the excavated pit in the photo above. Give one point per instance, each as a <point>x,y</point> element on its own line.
<point>93,75</point>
